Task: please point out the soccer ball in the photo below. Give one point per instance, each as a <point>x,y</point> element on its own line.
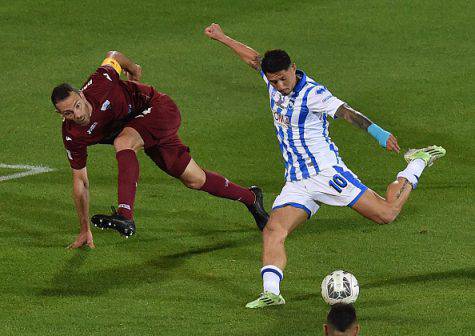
<point>340,286</point>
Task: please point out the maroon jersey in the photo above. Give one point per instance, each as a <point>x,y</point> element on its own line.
<point>114,102</point>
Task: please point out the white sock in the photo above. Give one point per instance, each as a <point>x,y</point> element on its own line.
<point>271,277</point>
<point>413,171</point>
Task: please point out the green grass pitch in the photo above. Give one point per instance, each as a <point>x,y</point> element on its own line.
<point>195,261</point>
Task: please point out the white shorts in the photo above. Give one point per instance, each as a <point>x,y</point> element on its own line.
<point>336,185</point>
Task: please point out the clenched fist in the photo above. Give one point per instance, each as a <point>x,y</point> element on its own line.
<point>214,32</point>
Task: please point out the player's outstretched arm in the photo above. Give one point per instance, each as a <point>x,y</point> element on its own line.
<point>132,70</point>
<point>385,139</point>
<point>81,200</point>
<point>247,54</point>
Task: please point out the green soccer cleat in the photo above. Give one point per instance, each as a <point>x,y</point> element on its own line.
<point>266,299</point>
<point>428,154</point>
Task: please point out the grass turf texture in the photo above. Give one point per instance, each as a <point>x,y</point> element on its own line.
<point>194,262</point>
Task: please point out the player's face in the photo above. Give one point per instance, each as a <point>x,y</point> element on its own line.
<point>283,81</point>
<point>76,108</point>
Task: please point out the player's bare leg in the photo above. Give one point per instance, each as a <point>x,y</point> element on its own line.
<point>281,223</point>
<point>129,138</point>
<point>127,144</point>
<point>195,177</point>
<point>385,210</point>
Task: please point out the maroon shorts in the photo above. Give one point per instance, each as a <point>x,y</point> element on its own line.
<point>158,127</point>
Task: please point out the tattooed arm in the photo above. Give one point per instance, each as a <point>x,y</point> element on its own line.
<point>353,117</point>
<point>247,54</point>
<point>385,139</point>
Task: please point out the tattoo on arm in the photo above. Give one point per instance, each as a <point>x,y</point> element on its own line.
<point>403,188</point>
<point>352,116</point>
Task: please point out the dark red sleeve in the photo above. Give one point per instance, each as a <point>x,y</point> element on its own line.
<point>76,152</point>
<point>100,82</point>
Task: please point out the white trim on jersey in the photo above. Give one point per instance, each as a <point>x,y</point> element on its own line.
<point>300,120</point>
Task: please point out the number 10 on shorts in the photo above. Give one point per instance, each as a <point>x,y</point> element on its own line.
<point>338,182</point>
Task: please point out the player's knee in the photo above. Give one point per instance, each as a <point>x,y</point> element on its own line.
<point>274,232</point>
<point>122,143</point>
<point>128,140</point>
<point>195,183</point>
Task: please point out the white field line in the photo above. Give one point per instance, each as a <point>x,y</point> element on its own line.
<point>30,170</point>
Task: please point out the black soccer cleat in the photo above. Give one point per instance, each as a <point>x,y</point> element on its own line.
<point>257,209</point>
<point>126,227</point>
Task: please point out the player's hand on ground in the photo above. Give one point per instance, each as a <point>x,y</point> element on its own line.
<point>136,75</point>
<point>84,238</point>
<point>214,31</point>
<point>392,145</point>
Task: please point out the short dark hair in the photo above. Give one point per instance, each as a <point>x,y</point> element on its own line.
<point>61,92</point>
<point>341,316</point>
<point>275,61</point>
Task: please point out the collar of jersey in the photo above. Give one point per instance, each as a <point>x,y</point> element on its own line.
<point>301,83</point>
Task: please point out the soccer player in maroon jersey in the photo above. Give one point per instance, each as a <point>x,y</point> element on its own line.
<point>132,116</point>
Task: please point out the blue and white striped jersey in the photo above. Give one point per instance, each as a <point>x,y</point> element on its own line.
<point>301,125</point>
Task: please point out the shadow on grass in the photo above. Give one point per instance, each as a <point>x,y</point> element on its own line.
<point>468,272</point>
<point>47,221</point>
<point>306,297</point>
<point>69,281</point>
<point>351,222</point>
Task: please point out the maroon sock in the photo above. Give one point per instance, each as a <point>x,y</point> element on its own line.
<point>127,181</point>
<point>220,186</point>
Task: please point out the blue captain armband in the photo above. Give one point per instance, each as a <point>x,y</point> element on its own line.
<point>379,134</point>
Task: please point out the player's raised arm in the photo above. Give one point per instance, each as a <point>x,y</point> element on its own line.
<point>385,139</point>
<point>247,54</point>
<point>120,62</point>
<point>81,200</point>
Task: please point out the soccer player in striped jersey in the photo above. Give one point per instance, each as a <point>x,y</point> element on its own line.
<point>314,170</point>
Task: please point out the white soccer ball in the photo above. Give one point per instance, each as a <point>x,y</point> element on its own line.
<point>340,286</point>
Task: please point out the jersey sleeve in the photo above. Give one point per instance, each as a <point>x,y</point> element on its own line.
<point>263,75</point>
<point>76,153</point>
<point>101,81</point>
<point>320,100</point>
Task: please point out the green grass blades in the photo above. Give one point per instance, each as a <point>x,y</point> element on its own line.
<point>195,260</point>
